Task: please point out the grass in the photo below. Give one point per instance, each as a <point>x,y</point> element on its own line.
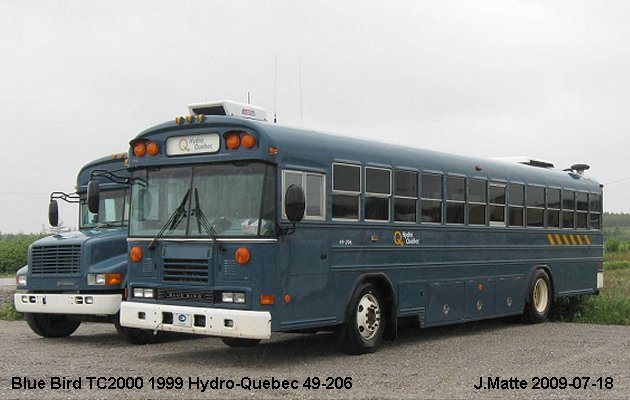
<point>8,313</point>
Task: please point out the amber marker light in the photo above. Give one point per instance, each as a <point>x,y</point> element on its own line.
<point>287,298</point>
<point>242,255</point>
<point>273,151</point>
<point>135,254</point>
<point>267,299</point>
<point>200,117</point>
<point>113,279</point>
<point>153,148</point>
<point>190,119</point>
<point>233,141</point>
<point>179,120</point>
<point>248,141</point>
<point>140,149</point>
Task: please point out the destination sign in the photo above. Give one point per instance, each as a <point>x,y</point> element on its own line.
<point>193,144</point>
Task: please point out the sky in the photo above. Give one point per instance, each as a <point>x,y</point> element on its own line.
<point>498,78</point>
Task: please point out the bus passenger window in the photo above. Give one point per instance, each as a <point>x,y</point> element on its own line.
<point>477,201</point>
<point>432,197</point>
<point>497,204</point>
<point>455,199</point>
<point>406,196</point>
<point>568,209</point>
<point>582,210</point>
<point>378,190</point>
<point>516,201</point>
<point>553,208</point>
<point>346,191</point>
<point>535,206</point>
<point>595,212</point>
<point>313,186</point>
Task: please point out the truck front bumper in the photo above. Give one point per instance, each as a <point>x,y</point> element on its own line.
<point>197,320</point>
<point>54,303</point>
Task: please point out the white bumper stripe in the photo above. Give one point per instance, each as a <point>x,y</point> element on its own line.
<point>87,304</point>
<point>198,320</point>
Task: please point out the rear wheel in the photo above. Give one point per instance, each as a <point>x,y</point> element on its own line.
<point>364,327</point>
<point>51,325</point>
<point>240,342</point>
<point>539,298</point>
<point>133,335</point>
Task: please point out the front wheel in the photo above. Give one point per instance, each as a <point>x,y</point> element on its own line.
<point>539,298</point>
<point>364,327</point>
<point>51,325</point>
<point>133,335</point>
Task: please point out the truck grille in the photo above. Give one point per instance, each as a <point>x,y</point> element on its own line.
<point>62,259</point>
<point>185,295</point>
<point>185,270</point>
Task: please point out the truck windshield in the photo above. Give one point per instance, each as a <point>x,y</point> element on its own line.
<point>209,200</point>
<point>113,210</point>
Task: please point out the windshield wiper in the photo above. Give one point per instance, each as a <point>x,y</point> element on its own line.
<point>203,221</point>
<point>172,221</point>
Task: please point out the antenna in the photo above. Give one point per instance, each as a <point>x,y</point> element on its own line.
<point>275,88</point>
<point>301,112</point>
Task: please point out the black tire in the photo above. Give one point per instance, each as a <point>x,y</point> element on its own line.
<point>539,298</point>
<point>51,325</point>
<point>240,342</point>
<point>134,335</point>
<point>365,321</point>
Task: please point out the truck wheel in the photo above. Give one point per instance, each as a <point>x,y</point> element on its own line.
<point>51,325</point>
<point>239,342</point>
<point>539,298</point>
<point>364,327</point>
<point>133,335</point>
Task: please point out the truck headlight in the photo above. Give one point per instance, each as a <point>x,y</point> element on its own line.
<point>143,293</point>
<point>21,280</point>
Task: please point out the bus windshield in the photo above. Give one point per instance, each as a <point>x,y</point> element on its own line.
<point>113,210</point>
<point>209,200</point>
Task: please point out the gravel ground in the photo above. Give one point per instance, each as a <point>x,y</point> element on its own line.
<point>444,362</point>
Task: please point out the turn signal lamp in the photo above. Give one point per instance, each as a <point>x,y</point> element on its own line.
<point>242,255</point>
<point>113,279</point>
<point>233,141</point>
<point>248,141</point>
<point>140,149</point>
<point>135,254</point>
<point>153,148</point>
<point>267,299</point>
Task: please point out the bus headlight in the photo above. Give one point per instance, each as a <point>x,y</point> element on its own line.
<point>143,293</point>
<point>104,279</point>
<point>233,297</point>
<point>21,280</point>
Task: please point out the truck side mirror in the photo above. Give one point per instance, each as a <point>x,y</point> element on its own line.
<point>93,196</point>
<point>294,203</point>
<point>53,213</point>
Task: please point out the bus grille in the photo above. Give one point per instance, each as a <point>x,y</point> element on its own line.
<point>185,295</point>
<point>62,259</point>
<point>180,270</point>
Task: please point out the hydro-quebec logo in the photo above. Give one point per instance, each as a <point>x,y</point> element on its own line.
<point>181,318</point>
<point>405,238</point>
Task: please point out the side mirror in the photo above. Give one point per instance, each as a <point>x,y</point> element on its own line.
<point>53,213</point>
<point>294,203</point>
<point>93,196</point>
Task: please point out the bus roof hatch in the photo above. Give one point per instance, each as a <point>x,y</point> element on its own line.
<point>229,108</point>
<point>527,161</point>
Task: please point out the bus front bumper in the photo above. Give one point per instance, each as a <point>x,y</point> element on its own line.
<point>55,303</point>
<point>197,320</point>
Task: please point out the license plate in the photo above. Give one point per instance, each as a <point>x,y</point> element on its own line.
<point>181,319</point>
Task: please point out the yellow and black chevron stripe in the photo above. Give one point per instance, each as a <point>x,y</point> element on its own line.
<point>568,239</point>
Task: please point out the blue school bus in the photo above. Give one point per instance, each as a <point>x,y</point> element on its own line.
<point>77,276</point>
<point>240,228</point>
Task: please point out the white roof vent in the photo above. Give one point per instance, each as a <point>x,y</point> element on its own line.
<point>527,161</point>
<point>229,108</point>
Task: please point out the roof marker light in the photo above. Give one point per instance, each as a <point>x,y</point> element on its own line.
<point>248,141</point>
<point>189,119</point>
<point>153,148</point>
<point>179,120</point>
<point>200,117</point>
<point>139,149</point>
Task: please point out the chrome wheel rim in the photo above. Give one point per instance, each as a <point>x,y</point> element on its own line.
<point>368,316</point>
